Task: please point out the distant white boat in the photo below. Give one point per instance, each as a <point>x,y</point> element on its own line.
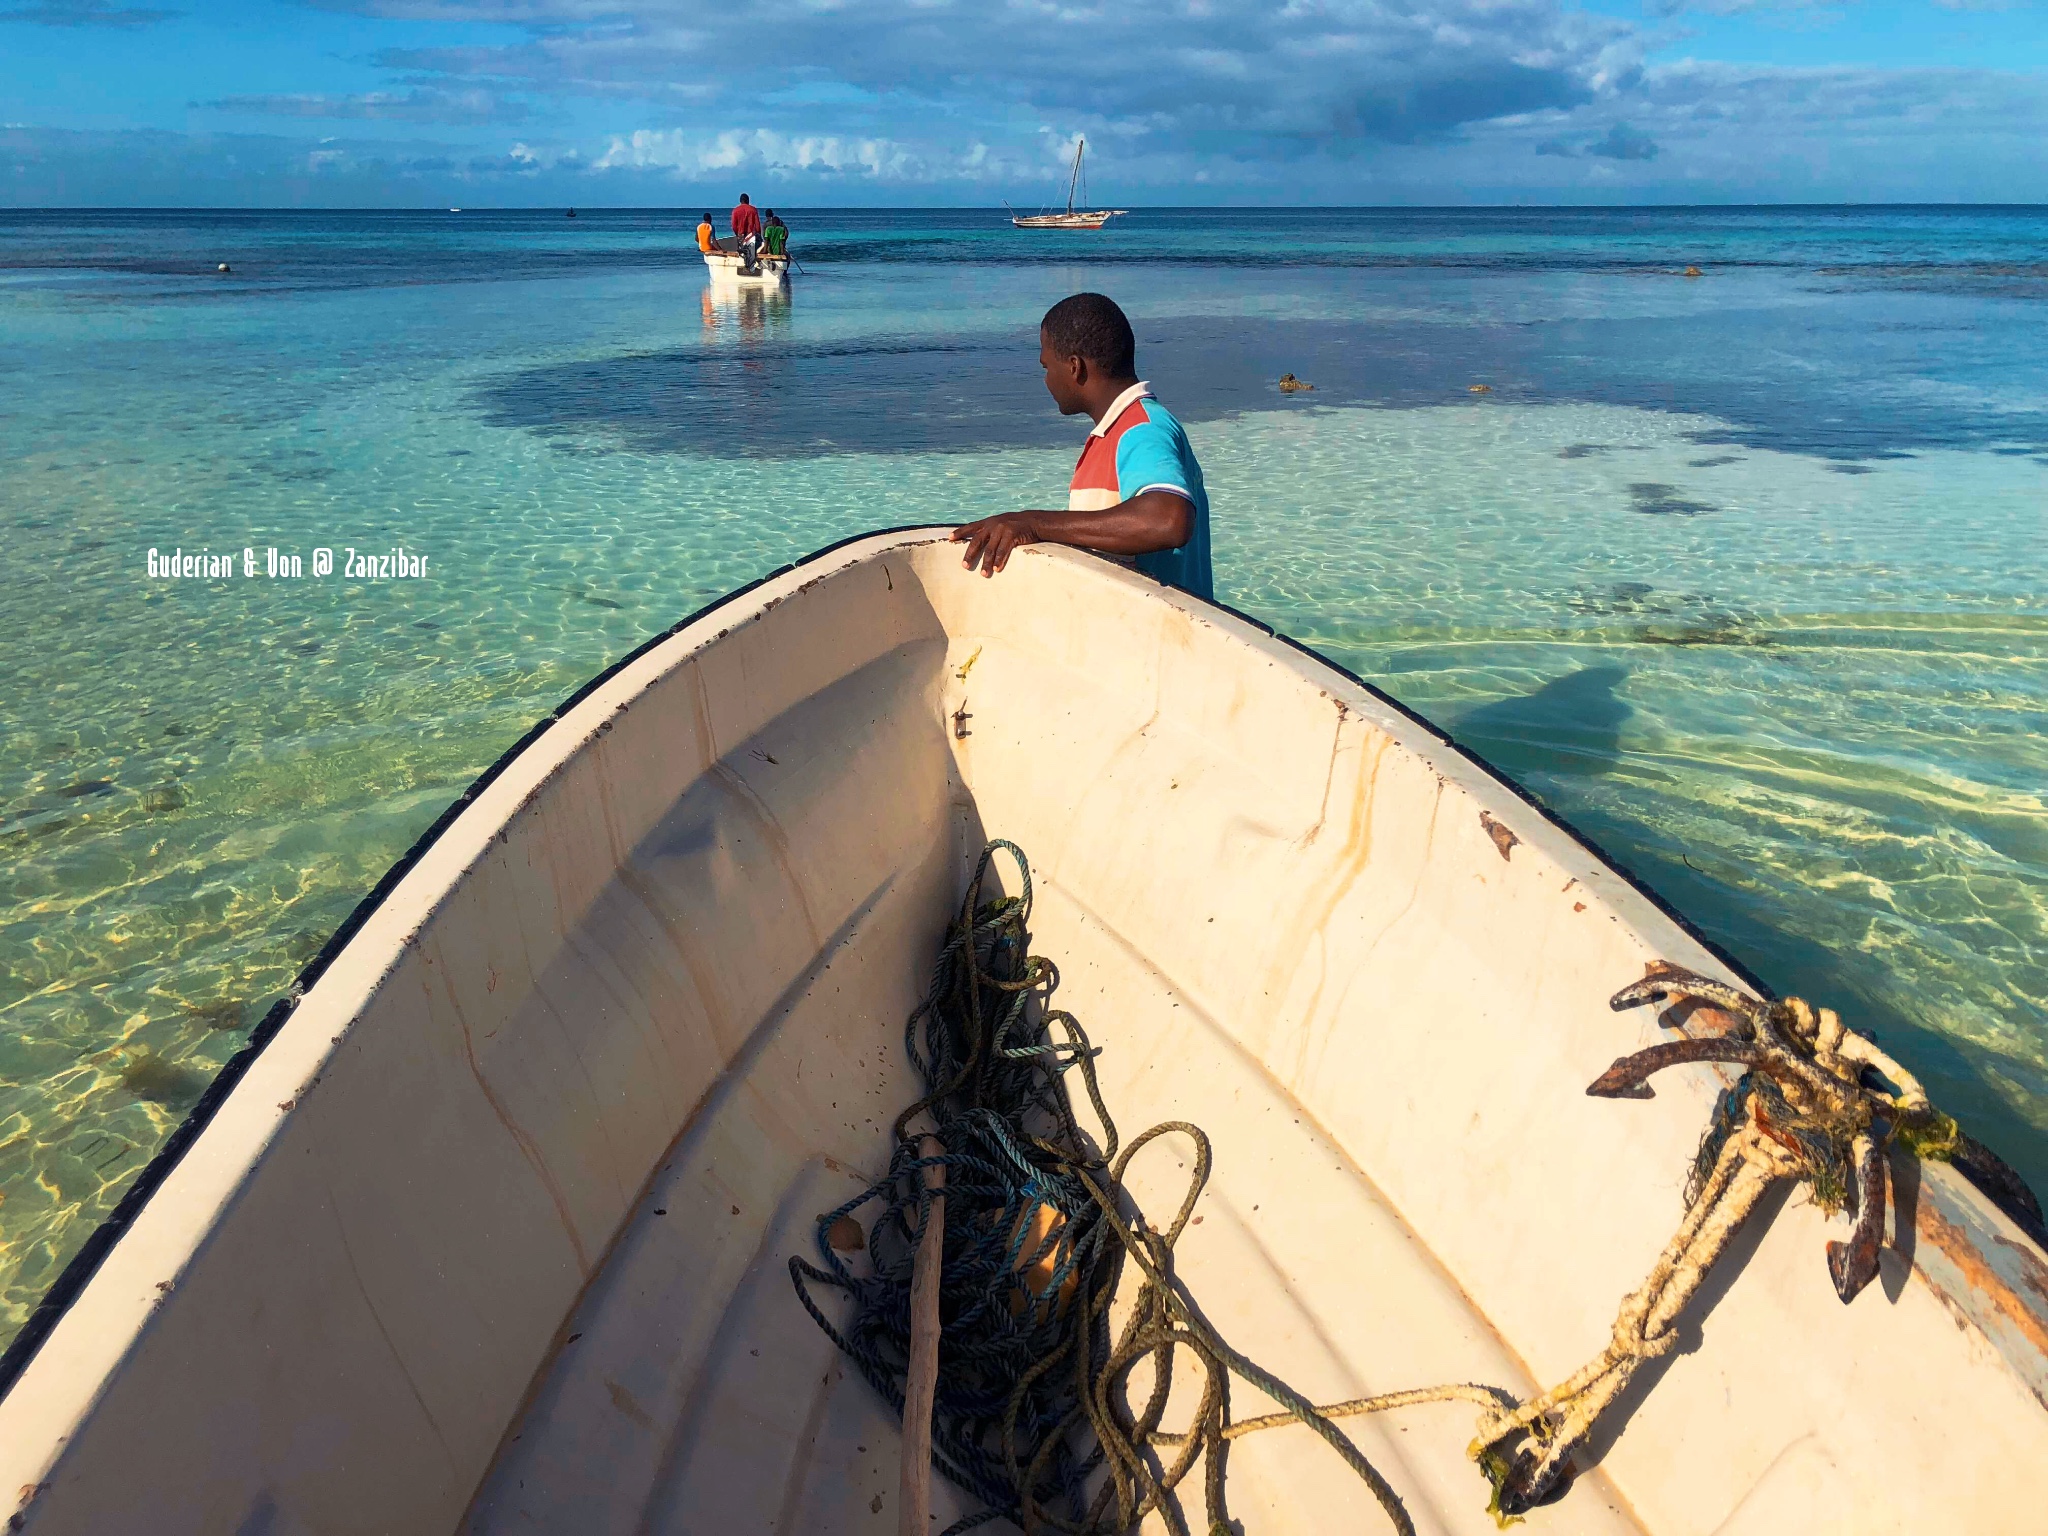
<point>726,267</point>
<point>1073,218</point>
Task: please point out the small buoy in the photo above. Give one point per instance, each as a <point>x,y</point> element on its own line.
<point>222,267</point>
<point>1289,384</point>
<point>1692,271</point>
<point>1480,389</point>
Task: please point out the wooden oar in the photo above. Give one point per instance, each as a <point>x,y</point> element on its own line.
<point>915,1498</point>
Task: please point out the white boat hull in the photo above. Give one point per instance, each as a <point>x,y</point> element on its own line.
<point>725,270</point>
<point>490,1234</point>
<point>1094,220</point>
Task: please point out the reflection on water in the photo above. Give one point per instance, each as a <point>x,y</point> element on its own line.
<point>750,313</point>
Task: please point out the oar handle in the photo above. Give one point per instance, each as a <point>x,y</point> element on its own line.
<point>915,1502</point>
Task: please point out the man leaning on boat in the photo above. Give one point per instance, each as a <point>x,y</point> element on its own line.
<point>1137,493</point>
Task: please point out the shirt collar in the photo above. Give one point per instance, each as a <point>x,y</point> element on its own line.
<point>1123,402</point>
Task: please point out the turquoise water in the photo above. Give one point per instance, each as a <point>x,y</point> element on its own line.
<point>1743,574</point>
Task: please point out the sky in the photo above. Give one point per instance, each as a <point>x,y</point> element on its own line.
<point>427,103</point>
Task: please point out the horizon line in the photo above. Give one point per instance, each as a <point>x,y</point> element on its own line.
<point>999,207</point>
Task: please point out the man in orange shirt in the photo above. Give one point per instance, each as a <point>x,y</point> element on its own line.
<point>707,240</point>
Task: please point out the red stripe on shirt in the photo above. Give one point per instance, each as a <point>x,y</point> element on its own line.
<point>1096,468</point>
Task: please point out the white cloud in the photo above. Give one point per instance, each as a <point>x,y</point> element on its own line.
<point>420,105</point>
<point>1377,70</point>
<point>1252,100</point>
<point>697,155</point>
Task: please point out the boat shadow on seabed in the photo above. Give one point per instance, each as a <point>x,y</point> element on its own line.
<point>1572,724</point>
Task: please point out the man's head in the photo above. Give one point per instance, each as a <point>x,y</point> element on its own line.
<point>707,218</point>
<point>771,213</point>
<point>1085,345</point>
<point>744,198</point>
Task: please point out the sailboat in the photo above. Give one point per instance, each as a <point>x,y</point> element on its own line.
<point>1085,218</point>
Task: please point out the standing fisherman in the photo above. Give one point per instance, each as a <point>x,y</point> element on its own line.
<point>746,233</point>
<point>1137,493</point>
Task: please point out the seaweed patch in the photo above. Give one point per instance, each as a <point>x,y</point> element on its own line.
<point>1703,634</point>
<point>150,1077</point>
<point>1624,597</point>
<point>1660,500</point>
<point>218,1013</point>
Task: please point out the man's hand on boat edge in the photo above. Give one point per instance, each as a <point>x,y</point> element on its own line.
<point>1150,521</point>
<point>1137,489</point>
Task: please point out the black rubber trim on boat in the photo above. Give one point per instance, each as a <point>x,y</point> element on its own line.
<point>86,1262</point>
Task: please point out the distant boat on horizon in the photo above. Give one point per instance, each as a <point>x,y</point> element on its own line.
<point>1073,218</point>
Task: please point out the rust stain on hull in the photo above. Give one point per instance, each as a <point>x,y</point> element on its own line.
<point>1503,839</point>
<point>1988,1298</point>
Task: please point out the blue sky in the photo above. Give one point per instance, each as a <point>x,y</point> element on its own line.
<point>540,102</point>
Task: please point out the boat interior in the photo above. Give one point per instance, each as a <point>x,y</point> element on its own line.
<point>493,1235</point>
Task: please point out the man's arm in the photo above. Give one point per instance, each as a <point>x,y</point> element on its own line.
<point>1151,520</point>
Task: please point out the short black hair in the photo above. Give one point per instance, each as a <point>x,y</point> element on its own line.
<point>1090,325</point>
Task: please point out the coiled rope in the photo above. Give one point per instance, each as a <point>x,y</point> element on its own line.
<point>1031,1401</point>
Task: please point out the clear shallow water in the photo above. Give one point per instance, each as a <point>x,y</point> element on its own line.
<point>1745,574</point>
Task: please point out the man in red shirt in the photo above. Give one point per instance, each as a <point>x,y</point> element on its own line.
<point>746,230</point>
<point>746,219</point>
